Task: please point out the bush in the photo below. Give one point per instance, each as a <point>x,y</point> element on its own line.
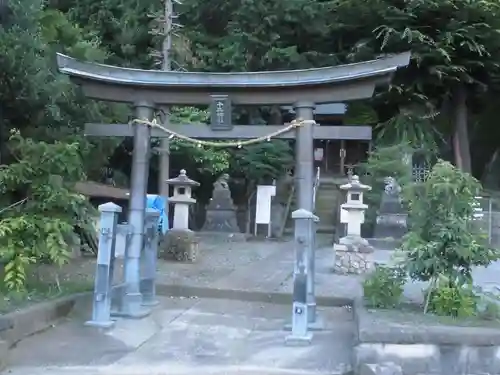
<point>444,240</point>
<point>384,287</point>
<point>450,299</point>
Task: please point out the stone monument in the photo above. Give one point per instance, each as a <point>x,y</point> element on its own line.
<point>391,222</point>
<point>352,250</point>
<point>221,212</point>
<point>179,243</point>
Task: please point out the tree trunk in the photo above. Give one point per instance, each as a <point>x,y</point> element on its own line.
<point>461,136</point>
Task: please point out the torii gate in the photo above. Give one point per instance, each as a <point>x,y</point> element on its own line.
<point>150,89</point>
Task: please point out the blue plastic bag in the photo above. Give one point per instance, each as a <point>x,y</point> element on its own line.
<point>159,203</point>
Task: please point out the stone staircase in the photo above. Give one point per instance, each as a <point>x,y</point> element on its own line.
<point>328,198</point>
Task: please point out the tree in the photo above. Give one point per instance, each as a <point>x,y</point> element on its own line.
<point>42,152</point>
<point>256,35</point>
<point>454,46</point>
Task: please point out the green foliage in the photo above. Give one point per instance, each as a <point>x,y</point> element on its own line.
<point>411,127</point>
<point>450,299</point>
<point>207,160</point>
<point>443,239</point>
<point>40,225</point>
<point>262,162</point>
<point>123,25</point>
<point>256,35</point>
<point>384,287</point>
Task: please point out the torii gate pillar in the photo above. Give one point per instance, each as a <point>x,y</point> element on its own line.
<point>304,154</point>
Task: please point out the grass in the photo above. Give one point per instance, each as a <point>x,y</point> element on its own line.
<point>38,292</point>
<point>46,282</point>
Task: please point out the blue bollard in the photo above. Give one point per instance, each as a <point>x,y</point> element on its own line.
<point>300,334</point>
<point>311,223</point>
<point>101,309</point>
<point>150,255</point>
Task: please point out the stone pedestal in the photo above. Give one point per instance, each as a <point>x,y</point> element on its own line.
<point>351,256</point>
<point>391,222</point>
<point>221,213</point>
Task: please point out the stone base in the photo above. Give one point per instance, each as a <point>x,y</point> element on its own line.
<point>221,221</point>
<point>152,303</point>
<point>222,236</point>
<point>180,245</point>
<point>292,340</point>
<point>351,256</point>
<point>391,226</point>
<point>139,314</point>
<point>97,324</point>
<point>316,326</point>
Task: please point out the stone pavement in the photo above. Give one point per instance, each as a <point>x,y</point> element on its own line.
<point>256,268</point>
<point>237,333</point>
<point>188,336</point>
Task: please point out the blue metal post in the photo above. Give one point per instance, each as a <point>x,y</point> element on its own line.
<point>311,223</point>
<point>118,292</point>
<point>300,334</point>
<point>101,311</point>
<point>150,256</point>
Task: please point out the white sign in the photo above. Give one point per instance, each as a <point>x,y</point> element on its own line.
<point>318,154</point>
<point>263,205</point>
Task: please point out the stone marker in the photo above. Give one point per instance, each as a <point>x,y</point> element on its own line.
<point>351,251</point>
<point>150,255</point>
<point>391,222</point>
<point>300,309</point>
<point>101,309</point>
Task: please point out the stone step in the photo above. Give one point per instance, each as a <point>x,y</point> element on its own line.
<point>168,368</point>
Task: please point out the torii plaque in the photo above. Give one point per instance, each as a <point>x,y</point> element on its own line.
<point>221,113</point>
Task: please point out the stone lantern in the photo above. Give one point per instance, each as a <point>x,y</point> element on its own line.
<point>354,208</point>
<point>351,251</point>
<point>182,199</point>
<point>180,243</point>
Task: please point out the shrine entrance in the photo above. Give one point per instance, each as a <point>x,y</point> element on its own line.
<point>336,157</point>
<point>149,90</point>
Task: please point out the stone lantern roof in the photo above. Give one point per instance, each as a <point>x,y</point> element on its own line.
<point>355,185</point>
<point>182,180</point>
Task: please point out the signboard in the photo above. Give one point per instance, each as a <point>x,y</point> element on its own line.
<point>221,113</point>
<point>318,154</point>
<point>265,193</point>
<point>263,205</point>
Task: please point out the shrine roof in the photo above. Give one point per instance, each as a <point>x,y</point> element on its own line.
<point>383,66</point>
